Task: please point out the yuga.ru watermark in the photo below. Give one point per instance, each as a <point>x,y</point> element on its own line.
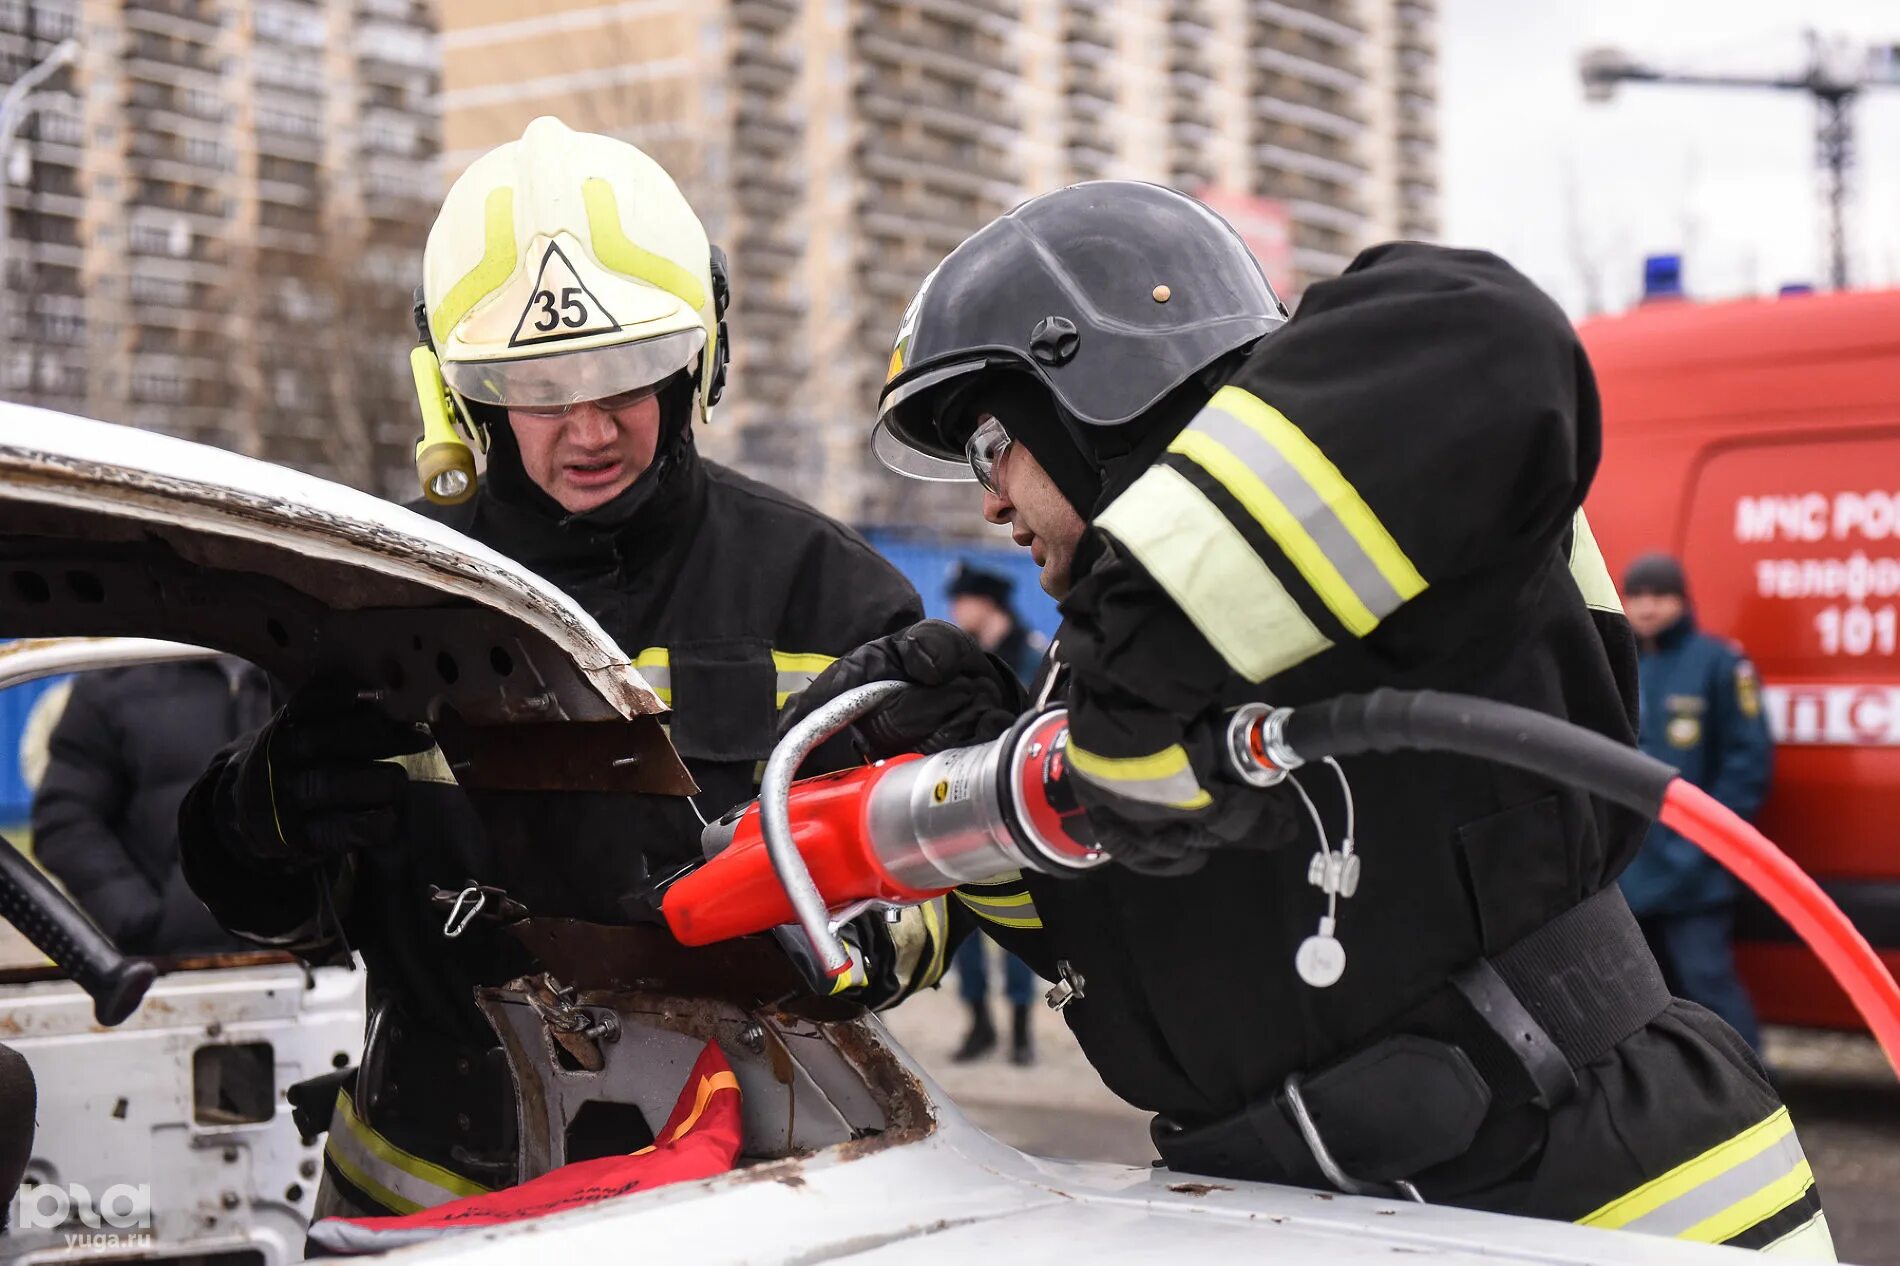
<point>119,1217</point>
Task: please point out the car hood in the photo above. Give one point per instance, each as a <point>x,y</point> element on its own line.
<point>111,531</point>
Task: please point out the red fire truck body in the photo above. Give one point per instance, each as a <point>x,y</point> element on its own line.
<point>1759,441</point>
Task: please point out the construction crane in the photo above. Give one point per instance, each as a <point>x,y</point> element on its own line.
<point>1830,78</point>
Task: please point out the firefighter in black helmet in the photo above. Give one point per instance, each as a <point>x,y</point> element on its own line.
<point>1417,978</point>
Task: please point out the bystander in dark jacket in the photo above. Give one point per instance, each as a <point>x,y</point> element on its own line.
<point>105,817</point>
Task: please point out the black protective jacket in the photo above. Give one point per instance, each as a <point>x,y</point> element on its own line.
<point>128,745</point>
<point>729,595</point>
<point>1449,417</point>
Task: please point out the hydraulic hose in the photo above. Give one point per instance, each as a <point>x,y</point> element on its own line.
<point>1424,720</point>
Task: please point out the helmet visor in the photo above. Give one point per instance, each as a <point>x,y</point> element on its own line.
<point>569,378</point>
<point>910,438</point>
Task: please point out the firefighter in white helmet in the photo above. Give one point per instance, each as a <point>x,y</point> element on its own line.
<point>572,328</point>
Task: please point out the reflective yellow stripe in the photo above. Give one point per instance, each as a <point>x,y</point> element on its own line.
<point>796,671</point>
<point>936,923</point>
<point>1296,494</point>
<point>1325,479</point>
<point>398,1180</point>
<point>496,267</point>
<point>1213,575</point>
<point>1162,777</point>
<point>854,976</point>
<point>1721,1193</point>
<point>1014,899</point>
<point>1301,549</point>
<point>619,252</point>
<point>430,766</point>
<point>1588,569</point>
<point>656,666</point>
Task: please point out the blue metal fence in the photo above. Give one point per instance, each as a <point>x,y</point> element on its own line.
<point>928,561</point>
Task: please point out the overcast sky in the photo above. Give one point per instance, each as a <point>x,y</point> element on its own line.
<point>1561,187</point>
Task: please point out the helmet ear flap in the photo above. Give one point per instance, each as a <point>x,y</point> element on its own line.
<point>722,295</point>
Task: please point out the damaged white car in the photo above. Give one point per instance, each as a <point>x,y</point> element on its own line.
<point>845,1148</point>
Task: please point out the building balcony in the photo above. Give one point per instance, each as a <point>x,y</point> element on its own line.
<point>771,78</point>
<point>158,70</point>
<point>186,20</point>
<point>294,146</point>
<point>1318,18</point>
<point>763,193</point>
<point>1192,135</point>
<point>769,237</point>
<point>998,18</point>
<point>975,62</point>
<point>1309,70</point>
<point>1193,170</point>
<point>982,183</point>
<point>162,167</point>
<point>1337,218</point>
<point>1329,123</point>
<point>935,234</point>
<point>768,16</point>
<point>966,157</point>
<point>1299,162</point>
<point>755,48</point>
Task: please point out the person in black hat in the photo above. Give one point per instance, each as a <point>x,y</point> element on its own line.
<point>1702,713</point>
<point>980,605</point>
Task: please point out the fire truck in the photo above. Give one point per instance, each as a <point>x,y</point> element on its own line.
<point>1759,441</point>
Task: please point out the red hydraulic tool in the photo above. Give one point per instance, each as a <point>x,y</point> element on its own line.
<point>909,829</point>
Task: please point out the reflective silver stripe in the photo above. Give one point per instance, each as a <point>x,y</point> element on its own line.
<point>1163,778</point>
<point>394,1178</point>
<point>1778,1162</point>
<point>1589,571</point>
<point>1716,1196</point>
<point>796,670</point>
<point>1354,565</point>
<point>790,684</point>
<point>1213,575</point>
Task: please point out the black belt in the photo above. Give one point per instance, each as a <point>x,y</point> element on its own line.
<point>1506,1033</point>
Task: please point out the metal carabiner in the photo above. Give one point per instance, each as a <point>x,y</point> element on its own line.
<point>458,922</point>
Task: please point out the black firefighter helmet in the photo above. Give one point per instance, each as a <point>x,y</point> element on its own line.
<point>1087,307</point>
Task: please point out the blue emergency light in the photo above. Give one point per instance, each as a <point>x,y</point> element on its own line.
<point>1662,277</point>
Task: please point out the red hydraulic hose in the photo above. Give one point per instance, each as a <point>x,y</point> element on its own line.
<point>1772,875</point>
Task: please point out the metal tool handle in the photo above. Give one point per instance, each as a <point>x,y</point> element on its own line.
<point>45,917</point>
<point>775,818</point>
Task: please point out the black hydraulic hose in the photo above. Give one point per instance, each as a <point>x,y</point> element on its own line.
<point>1428,720</point>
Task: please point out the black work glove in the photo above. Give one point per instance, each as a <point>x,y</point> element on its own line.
<point>314,783</point>
<point>1150,788</point>
<point>960,693</point>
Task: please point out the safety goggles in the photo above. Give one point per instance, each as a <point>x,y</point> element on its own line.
<point>610,404</point>
<point>985,449</point>
<point>560,381</point>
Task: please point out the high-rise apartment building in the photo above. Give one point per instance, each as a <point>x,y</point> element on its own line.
<point>215,221</point>
<point>839,148</point>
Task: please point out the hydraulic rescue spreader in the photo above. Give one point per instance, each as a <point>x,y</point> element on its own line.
<point>912,828</point>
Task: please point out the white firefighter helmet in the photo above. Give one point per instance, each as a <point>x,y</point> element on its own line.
<point>564,267</point>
